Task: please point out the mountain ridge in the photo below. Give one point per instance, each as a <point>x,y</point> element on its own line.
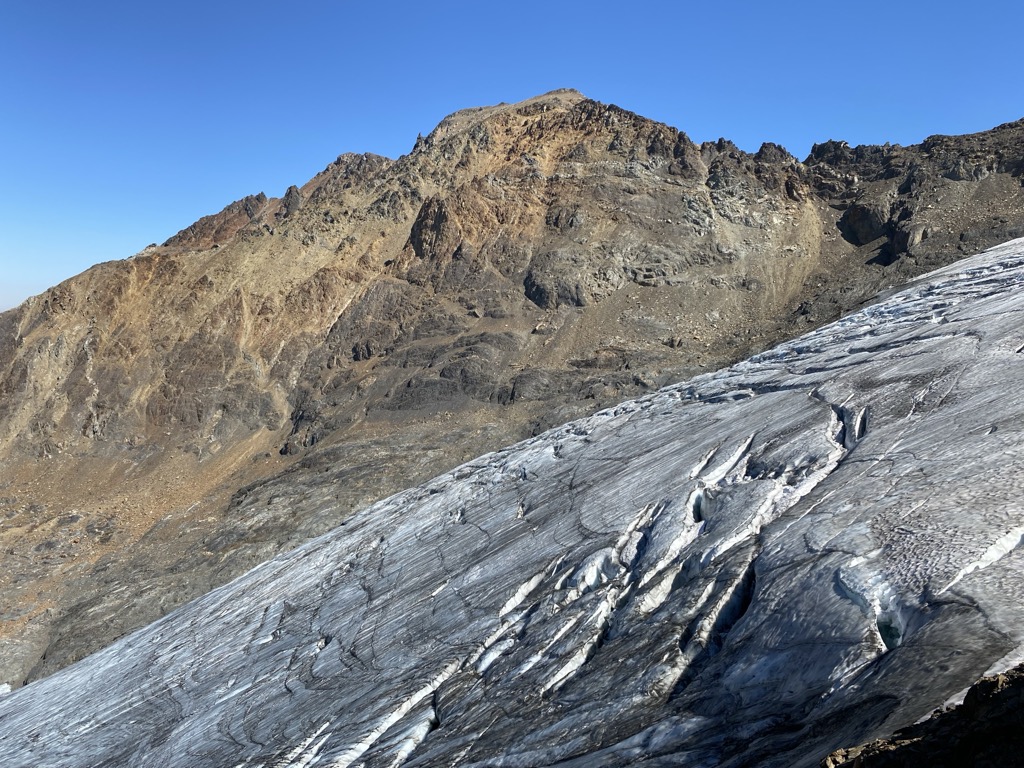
<point>523,265</point>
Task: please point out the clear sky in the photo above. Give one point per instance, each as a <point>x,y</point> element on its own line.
<point>123,122</point>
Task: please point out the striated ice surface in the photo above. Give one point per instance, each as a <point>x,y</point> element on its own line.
<point>751,568</point>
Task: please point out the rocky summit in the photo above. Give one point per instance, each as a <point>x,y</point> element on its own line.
<point>173,419</point>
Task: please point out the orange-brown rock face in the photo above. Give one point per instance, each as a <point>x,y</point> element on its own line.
<point>523,265</point>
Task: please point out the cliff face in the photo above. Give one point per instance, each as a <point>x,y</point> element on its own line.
<point>161,417</point>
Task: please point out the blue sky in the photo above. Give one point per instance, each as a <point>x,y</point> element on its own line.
<point>121,123</point>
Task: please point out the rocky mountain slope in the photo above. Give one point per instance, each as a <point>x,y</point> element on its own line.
<point>985,731</point>
<point>170,420</point>
<point>751,568</point>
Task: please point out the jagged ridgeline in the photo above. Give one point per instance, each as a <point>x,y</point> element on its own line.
<point>173,419</point>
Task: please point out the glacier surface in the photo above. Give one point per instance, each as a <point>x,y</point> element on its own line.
<point>757,566</point>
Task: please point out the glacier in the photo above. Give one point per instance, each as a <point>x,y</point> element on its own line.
<point>754,567</point>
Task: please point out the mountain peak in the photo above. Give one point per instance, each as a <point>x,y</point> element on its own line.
<point>528,264</point>
<point>465,119</point>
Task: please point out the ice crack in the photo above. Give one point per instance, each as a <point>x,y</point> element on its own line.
<point>360,748</point>
<point>999,549</point>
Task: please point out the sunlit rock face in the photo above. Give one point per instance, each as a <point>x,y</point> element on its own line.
<point>804,551</point>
